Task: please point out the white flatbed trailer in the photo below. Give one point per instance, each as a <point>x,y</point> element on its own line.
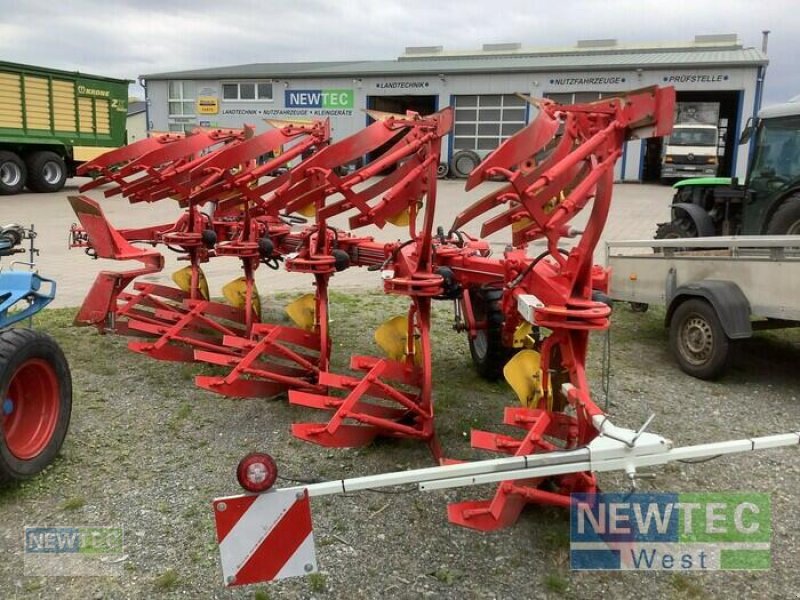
<point>716,290</point>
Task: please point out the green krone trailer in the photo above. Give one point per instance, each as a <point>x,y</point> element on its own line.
<point>52,121</point>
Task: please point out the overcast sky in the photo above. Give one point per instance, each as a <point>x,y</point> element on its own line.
<point>125,38</point>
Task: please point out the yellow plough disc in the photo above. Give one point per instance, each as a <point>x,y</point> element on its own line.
<point>302,311</point>
<point>524,374</point>
<point>183,279</point>
<point>392,337</point>
<point>309,210</point>
<point>235,293</point>
<point>521,224</point>
<point>403,218</point>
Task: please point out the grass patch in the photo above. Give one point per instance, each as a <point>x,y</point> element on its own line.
<point>167,580</point>
<point>317,582</point>
<point>445,575</point>
<point>687,587</point>
<point>73,503</point>
<point>556,583</point>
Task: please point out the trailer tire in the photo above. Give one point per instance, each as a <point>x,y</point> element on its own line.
<point>12,173</point>
<point>786,220</point>
<point>697,339</point>
<point>442,170</point>
<point>463,162</point>
<point>47,172</point>
<point>36,393</point>
<point>488,353</point>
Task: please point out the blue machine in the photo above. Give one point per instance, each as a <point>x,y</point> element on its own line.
<point>23,293</point>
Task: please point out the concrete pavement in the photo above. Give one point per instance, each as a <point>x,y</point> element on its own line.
<point>634,213</point>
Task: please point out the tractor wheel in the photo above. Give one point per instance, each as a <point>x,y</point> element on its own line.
<point>697,339</point>
<point>786,220</point>
<point>47,172</point>
<point>463,162</point>
<point>679,228</point>
<point>12,174</point>
<point>36,397</point>
<point>488,353</point>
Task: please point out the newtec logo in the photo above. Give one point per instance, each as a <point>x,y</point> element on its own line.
<point>670,532</point>
<point>70,540</point>
<point>318,98</point>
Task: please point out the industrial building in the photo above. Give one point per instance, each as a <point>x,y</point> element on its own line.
<point>716,79</point>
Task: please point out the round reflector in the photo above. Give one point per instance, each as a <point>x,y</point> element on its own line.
<point>257,472</point>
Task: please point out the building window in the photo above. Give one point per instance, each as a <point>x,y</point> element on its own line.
<point>181,98</point>
<point>182,127</point>
<point>247,91</point>
<point>483,122</point>
<point>581,97</point>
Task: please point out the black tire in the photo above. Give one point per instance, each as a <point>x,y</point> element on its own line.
<point>47,172</point>
<point>786,220</point>
<point>442,170</point>
<point>639,307</point>
<point>36,392</point>
<point>12,174</point>
<point>697,339</point>
<point>488,353</point>
<point>463,162</point>
<point>678,228</point>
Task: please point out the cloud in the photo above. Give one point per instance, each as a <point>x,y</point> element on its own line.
<point>130,37</point>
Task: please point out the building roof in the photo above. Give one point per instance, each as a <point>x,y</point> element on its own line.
<point>48,71</point>
<point>136,107</point>
<point>588,55</point>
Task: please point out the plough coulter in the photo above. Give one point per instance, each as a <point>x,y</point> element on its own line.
<point>269,200</point>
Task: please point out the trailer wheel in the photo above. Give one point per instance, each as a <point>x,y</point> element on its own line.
<point>786,220</point>
<point>47,172</point>
<point>12,173</point>
<point>697,339</point>
<point>442,170</point>
<point>36,393</point>
<point>463,162</point>
<point>488,353</point>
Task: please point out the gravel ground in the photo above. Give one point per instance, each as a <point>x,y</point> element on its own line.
<point>147,451</point>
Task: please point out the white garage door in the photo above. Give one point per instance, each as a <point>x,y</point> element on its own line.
<point>483,121</point>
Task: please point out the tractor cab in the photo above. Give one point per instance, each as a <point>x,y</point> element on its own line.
<point>768,202</point>
<point>774,175</point>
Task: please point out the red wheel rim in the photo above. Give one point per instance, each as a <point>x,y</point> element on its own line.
<point>30,409</point>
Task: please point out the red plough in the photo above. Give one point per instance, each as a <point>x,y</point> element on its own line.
<point>558,290</point>
<point>540,309</point>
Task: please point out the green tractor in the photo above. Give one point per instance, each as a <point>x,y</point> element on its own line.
<point>769,201</point>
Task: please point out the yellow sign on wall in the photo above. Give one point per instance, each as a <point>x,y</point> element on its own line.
<point>207,105</point>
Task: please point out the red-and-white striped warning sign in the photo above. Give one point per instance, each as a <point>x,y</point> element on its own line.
<point>265,537</point>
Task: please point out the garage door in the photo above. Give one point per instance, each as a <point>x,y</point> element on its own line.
<point>483,121</point>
